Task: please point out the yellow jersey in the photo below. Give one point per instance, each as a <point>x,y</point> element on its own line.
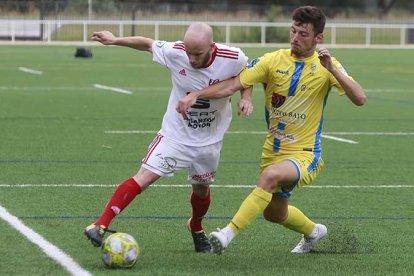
<point>295,97</point>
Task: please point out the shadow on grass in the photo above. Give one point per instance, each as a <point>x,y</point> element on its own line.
<point>342,239</point>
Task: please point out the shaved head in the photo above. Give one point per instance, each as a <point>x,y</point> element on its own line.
<point>199,45</point>
<point>200,33</point>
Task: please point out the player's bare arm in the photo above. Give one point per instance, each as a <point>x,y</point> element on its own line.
<point>352,89</point>
<point>216,91</point>
<point>245,106</point>
<point>136,42</point>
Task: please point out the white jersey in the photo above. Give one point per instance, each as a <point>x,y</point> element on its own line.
<point>207,120</point>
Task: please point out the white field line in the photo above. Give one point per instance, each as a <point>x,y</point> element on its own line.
<point>385,90</point>
<point>230,186</point>
<point>339,139</point>
<point>228,132</point>
<point>264,132</point>
<point>113,89</point>
<point>30,71</point>
<point>49,249</point>
<point>161,88</point>
<point>72,88</point>
<point>372,133</point>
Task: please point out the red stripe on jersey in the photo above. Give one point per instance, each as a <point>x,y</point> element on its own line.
<point>151,147</point>
<point>227,56</point>
<point>225,51</point>
<point>179,46</point>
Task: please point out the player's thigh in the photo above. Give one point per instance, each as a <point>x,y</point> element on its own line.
<point>309,165</point>
<point>298,169</point>
<point>204,166</point>
<point>164,157</point>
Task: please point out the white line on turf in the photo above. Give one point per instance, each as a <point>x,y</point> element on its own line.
<point>228,132</point>
<point>388,90</point>
<point>49,249</point>
<point>113,89</point>
<point>338,139</point>
<point>73,88</point>
<point>230,186</point>
<point>357,133</point>
<point>161,88</point>
<point>30,71</point>
<point>372,133</point>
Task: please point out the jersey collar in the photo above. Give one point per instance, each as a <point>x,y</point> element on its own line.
<point>213,57</point>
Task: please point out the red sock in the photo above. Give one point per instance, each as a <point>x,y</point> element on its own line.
<point>120,199</point>
<point>200,208</point>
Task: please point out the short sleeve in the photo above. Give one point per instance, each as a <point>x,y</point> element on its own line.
<point>160,51</point>
<point>255,72</point>
<point>334,81</point>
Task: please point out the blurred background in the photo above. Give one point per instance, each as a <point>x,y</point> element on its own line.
<point>351,23</point>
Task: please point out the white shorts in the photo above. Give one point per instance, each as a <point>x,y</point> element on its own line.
<point>164,157</point>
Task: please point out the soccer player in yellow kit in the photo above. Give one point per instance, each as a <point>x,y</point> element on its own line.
<point>298,83</point>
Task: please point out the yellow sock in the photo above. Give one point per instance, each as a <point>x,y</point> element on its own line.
<point>298,222</point>
<point>253,205</point>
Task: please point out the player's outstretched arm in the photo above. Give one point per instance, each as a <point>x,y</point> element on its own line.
<point>136,42</point>
<point>216,91</point>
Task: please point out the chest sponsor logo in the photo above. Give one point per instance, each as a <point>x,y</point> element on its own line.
<point>277,100</point>
<point>201,104</point>
<point>200,118</point>
<point>197,119</point>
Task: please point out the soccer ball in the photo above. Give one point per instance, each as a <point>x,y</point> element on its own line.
<point>120,250</point>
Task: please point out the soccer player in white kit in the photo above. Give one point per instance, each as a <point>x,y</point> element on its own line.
<point>193,143</point>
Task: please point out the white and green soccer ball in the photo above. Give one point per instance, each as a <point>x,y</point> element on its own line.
<point>120,250</point>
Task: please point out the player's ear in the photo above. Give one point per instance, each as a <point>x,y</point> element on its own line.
<point>319,38</point>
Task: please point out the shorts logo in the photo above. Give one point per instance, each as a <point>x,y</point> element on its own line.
<point>167,163</point>
<point>204,178</point>
<point>277,100</point>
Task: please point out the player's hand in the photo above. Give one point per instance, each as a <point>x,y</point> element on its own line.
<point>325,59</point>
<point>185,103</point>
<point>244,108</point>
<point>104,37</point>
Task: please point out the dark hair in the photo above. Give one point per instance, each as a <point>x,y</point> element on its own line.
<point>310,14</point>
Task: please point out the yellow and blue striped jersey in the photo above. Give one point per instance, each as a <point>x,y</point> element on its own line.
<point>295,97</point>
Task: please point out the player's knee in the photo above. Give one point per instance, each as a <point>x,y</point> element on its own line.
<point>269,180</point>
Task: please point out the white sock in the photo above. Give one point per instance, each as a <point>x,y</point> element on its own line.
<point>315,232</point>
<point>228,232</point>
